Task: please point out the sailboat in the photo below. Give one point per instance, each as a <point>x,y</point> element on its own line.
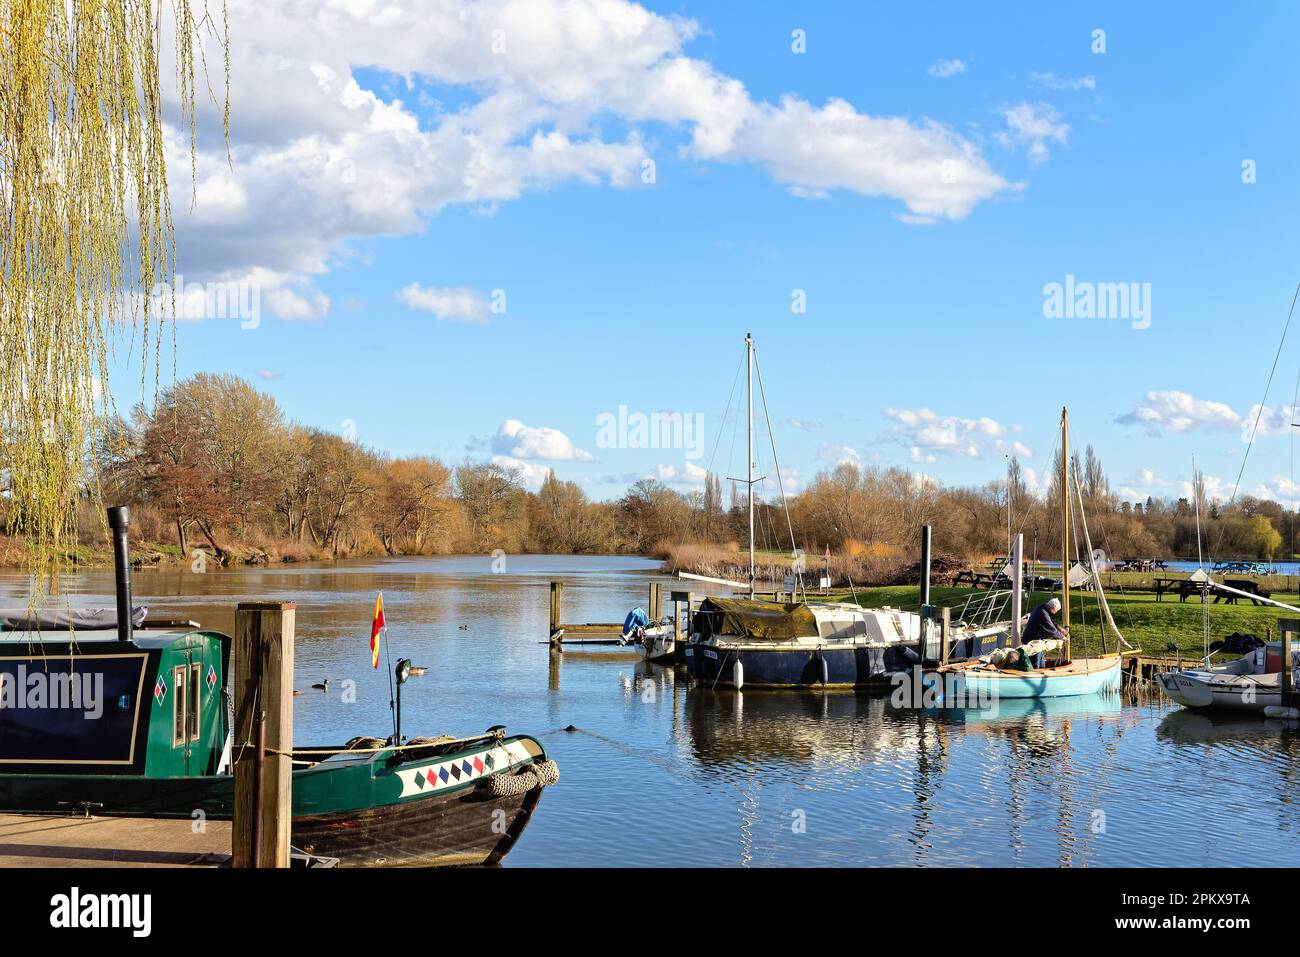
<point>986,678</point>
<point>1254,682</point>
<point>747,642</point>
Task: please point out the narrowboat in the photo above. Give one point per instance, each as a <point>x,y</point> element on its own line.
<point>91,724</point>
<point>118,714</point>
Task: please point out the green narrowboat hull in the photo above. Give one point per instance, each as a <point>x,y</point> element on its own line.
<point>462,802</point>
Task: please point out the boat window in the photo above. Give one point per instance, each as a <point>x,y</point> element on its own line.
<point>196,676</point>
<point>179,712</point>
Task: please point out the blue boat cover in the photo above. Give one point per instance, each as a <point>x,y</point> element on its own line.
<point>636,618</point>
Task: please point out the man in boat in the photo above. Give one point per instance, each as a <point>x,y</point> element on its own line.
<point>1041,624</point>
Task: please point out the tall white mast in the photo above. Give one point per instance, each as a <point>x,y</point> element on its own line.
<point>749,378</point>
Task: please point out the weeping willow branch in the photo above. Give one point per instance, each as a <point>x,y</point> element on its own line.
<point>86,234</point>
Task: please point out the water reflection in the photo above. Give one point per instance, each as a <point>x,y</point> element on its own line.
<point>656,772</point>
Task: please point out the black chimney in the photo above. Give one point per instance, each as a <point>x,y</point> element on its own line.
<point>119,520</point>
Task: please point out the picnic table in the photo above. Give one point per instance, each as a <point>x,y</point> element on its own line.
<point>1242,584</point>
<point>998,580</point>
<point>1186,587</point>
<point>1140,565</point>
<point>1182,586</point>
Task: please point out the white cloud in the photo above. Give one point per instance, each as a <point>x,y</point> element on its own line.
<point>1216,489</point>
<point>688,474</point>
<point>927,435</point>
<point>943,69</point>
<point>804,425</point>
<point>1175,411</point>
<point>1054,82</point>
<point>532,474</point>
<point>1037,482</point>
<point>318,160</point>
<point>1279,488</point>
<point>459,304</point>
<point>269,375</point>
<point>1148,479</point>
<point>935,172</point>
<point>1143,483</point>
<point>519,441</point>
<point>1273,420</point>
<point>1034,125</point>
<point>921,481</point>
<point>839,454</point>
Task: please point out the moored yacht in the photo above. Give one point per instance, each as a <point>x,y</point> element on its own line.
<point>746,643</point>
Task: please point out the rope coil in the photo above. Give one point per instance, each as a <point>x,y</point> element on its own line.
<point>539,775</point>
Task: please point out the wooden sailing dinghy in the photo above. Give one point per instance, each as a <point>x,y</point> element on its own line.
<point>977,681</point>
<point>982,680</point>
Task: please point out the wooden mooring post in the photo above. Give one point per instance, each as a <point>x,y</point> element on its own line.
<point>679,598</point>
<point>557,594</point>
<point>1288,627</point>
<point>263,690</point>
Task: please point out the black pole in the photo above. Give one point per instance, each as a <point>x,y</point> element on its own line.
<point>119,520</point>
<point>925,564</point>
<point>400,674</point>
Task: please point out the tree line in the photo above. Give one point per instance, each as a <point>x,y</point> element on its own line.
<point>215,464</point>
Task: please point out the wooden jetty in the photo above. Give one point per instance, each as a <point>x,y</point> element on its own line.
<point>563,633</point>
<point>44,840</point>
<point>258,836</point>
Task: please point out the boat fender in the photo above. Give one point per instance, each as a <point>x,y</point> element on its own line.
<point>738,675</point>
<point>826,669</point>
<point>539,775</point>
<point>1281,711</point>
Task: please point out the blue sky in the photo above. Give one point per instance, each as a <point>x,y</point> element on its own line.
<point>924,343</point>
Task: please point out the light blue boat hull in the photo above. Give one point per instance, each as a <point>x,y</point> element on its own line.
<point>1039,684</point>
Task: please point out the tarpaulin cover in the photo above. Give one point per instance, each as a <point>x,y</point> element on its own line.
<point>758,620</point>
<point>64,619</point>
<point>636,618</point>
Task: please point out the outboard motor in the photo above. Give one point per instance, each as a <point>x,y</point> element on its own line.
<point>119,520</point>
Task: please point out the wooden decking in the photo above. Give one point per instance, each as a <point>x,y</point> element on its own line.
<point>37,840</point>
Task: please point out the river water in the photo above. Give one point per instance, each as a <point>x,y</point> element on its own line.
<point>661,774</point>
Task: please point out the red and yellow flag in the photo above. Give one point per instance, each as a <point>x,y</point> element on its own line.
<point>375,628</point>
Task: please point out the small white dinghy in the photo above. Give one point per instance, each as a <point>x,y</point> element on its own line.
<point>656,641</point>
<point>1247,684</point>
